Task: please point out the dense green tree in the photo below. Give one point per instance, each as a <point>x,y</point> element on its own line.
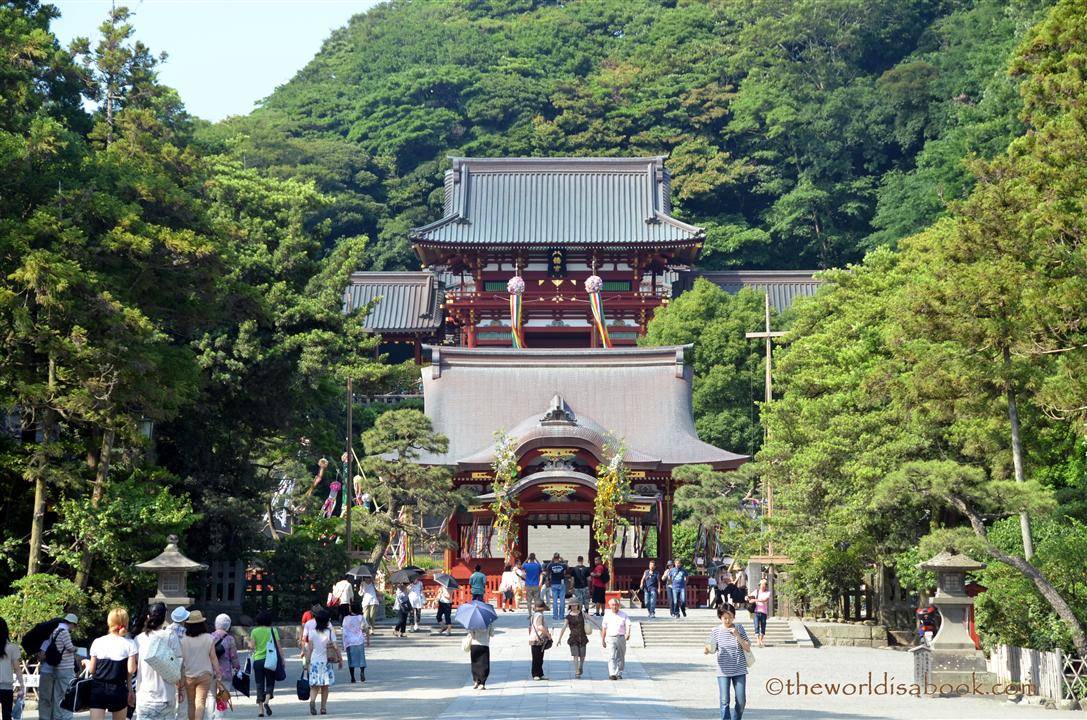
<point>728,368</point>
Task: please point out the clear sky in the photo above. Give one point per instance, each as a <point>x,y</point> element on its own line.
<point>224,55</point>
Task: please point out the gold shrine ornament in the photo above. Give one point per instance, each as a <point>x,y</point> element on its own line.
<point>558,490</point>
<point>558,453</point>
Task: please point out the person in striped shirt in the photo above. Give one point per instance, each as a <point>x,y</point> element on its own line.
<point>729,641</point>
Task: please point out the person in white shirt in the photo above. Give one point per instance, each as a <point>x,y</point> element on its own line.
<point>506,587</point>
<point>341,597</point>
<point>10,669</point>
<point>614,634</point>
<point>417,598</point>
<point>355,635</point>
<point>112,664</point>
<point>369,600</point>
<point>444,619</point>
<point>156,699</point>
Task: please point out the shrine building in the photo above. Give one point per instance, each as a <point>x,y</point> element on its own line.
<point>510,340</point>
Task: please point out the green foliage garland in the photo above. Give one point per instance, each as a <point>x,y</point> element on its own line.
<point>505,506</point>
<point>612,489</point>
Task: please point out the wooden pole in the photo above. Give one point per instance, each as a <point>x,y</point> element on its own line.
<point>349,475</point>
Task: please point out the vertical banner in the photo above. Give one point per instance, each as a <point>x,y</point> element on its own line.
<point>593,286</point>
<point>516,288</point>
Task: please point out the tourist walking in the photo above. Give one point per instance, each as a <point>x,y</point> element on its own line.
<point>580,575</point>
<point>444,617</point>
<point>650,586</point>
<point>676,580</point>
<point>729,641</point>
<point>54,678</point>
<point>761,598</point>
<point>477,583</point>
<point>538,637</point>
<point>11,669</point>
<point>226,650</point>
<point>479,650</point>
<point>506,589</point>
<point>355,633</point>
<point>321,655</point>
<point>519,586</point>
<point>614,635</point>
<point>579,628</point>
<point>200,664</point>
<point>556,575</point>
<point>417,598</point>
<point>403,610</point>
<point>112,665</point>
<point>533,570</point>
<point>177,626</point>
<point>369,600</point>
<point>262,639</point>
<point>341,597</point>
<point>156,699</point>
<point>599,583</point>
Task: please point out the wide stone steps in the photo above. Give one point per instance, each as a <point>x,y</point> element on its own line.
<point>691,632</point>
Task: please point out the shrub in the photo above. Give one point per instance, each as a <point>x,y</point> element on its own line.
<point>41,597</point>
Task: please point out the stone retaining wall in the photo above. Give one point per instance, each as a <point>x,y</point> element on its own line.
<point>849,635</point>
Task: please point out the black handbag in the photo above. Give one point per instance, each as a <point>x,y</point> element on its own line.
<point>303,686</point>
<point>241,678</point>
<point>281,665</point>
<point>77,698</point>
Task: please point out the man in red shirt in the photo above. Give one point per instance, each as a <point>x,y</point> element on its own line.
<point>600,578</point>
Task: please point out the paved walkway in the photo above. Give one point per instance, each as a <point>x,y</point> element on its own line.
<point>424,677</point>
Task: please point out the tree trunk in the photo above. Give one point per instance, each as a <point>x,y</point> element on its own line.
<point>41,466</point>
<point>101,475</point>
<point>1050,593</point>
<point>382,542</point>
<point>1017,455</point>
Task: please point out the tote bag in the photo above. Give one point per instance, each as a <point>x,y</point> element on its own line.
<point>163,659</point>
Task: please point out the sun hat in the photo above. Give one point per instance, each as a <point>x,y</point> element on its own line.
<point>71,619</point>
<point>195,618</point>
<point>179,615</point>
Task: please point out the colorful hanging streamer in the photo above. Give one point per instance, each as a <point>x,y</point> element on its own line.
<point>516,288</point>
<point>593,286</point>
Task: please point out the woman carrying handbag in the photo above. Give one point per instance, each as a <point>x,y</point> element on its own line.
<point>321,654</point>
<point>539,639</point>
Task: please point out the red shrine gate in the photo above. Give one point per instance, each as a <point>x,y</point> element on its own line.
<point>561,407</point>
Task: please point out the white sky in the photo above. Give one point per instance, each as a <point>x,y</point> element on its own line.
<point>224,55</point>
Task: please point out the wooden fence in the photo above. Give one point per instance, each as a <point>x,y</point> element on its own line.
<point>1052,675</point>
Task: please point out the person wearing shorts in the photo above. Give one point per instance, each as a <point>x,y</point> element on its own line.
<point>112,666</point>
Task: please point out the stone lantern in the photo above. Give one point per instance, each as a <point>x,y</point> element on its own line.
<point>172,569</point>
<point>954,661</point>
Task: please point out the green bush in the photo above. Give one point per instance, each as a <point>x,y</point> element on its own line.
<point>300,571</point>
<point>40,597</point>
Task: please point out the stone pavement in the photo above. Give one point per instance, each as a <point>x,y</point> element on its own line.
<point>423,677</point>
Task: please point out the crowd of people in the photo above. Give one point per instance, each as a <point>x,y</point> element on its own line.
<point>174,665</point>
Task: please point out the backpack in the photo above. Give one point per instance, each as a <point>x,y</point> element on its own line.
<point>36,636</point>
<point>219,649</point>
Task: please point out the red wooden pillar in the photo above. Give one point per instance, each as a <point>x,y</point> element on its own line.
<point>418,352</point>
<point>472,336</point>
<point>664,542</point>
<point>453,529</point>
<point>522,536</point>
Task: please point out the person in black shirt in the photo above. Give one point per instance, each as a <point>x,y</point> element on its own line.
<point>580,574</point>
<point>556,575</point>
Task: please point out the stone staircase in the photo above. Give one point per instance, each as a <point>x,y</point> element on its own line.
<point>693,630</point>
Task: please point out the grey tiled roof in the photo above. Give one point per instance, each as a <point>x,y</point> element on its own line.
<point>409,302</point>
<point>642,396</point>
<point>783,286</point>
<point>519,202</point>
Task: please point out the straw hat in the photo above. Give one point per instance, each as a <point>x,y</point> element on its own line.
<point>195,618</point>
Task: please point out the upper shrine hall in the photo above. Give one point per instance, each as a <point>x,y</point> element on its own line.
<point>537,281</point>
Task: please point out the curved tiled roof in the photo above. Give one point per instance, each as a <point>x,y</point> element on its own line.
<point>406,302</point>
<point>592,202</point>
<point>642,396</point>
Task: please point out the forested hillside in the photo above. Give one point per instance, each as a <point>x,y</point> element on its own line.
<point>799,133</point>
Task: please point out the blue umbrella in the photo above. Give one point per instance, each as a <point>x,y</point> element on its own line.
<point>476,615</point>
